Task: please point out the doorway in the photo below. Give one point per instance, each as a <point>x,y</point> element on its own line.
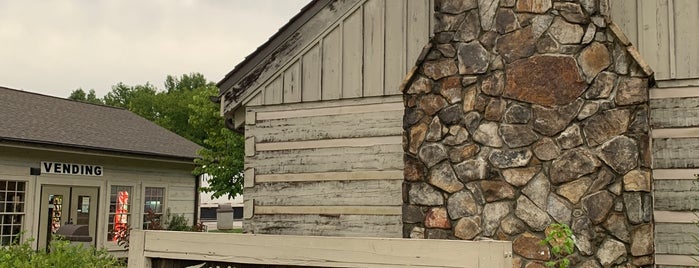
<point>61,205</point>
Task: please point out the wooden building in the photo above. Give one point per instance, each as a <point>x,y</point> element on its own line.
<point>666,33</point>
<point>66,162</point>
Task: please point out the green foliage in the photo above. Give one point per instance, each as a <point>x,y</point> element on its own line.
<point>61,254</point>
<point>80,95</point>
<point>560,238</point>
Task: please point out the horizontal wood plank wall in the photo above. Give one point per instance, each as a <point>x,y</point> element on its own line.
<point>326,168</point>
<point>366,52</point>
<point>664,31</point>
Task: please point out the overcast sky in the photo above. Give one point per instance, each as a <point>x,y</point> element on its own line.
<point>55,46</point>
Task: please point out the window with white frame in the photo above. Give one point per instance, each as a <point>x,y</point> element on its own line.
<point>153,207</point>
<point>12,198</point>
<point>119,211</point>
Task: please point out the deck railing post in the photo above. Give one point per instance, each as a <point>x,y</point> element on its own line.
<point>137,258</point>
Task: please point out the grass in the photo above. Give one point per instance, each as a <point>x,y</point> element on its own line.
<point>231,231</point>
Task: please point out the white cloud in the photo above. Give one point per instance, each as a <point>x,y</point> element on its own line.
<point>54,47</point>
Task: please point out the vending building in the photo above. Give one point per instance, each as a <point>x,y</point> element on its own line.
<point>65,162</point>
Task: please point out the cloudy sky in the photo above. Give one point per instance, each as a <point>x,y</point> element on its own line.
<point>55,46</point>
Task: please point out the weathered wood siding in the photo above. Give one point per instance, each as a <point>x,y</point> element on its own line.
<point>331,168</point>
<point>364,48</point>
<point>665,33</point>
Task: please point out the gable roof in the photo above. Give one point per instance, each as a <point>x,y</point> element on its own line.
<point>39,119</point>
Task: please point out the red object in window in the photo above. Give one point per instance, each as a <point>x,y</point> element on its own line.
<point>122,210</point>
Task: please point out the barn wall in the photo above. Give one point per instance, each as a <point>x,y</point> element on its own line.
<point>331,168</point>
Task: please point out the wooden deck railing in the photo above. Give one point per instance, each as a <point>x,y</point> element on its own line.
<point>313,251</point>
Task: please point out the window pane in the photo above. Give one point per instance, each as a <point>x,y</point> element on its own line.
<point>119,210</point>
<point>11,210</point>
<point>153,207</point>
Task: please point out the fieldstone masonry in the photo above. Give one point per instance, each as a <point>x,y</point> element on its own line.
<point>523,113</point>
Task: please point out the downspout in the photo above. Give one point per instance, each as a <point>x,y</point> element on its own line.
<point>196,198</point>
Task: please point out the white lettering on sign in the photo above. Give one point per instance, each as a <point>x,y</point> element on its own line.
<point>70,169</point>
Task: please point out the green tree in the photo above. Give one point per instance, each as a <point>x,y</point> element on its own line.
<point>80,95</point>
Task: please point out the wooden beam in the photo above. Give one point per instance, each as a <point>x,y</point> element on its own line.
<point>681,92</point>
<point>249,178</point>
<point>358,109</point>
<point>677,260</point>
<point>137,243</point>
<point>250,146</point>
<point>330,143</point>
<point>332,176</point>
<point>675,216</point>
<point>250,117</point>
<point>687,132</point>
<point>248,208</point>
<point>675,174</point>
<point>314,251</point>
<point>330,210</point>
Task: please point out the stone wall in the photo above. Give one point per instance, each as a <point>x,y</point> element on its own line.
<point>525,113</point>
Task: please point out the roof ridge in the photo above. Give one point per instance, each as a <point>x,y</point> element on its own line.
<point>64,99</point>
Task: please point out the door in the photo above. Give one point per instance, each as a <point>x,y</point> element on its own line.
<point>61,205</point>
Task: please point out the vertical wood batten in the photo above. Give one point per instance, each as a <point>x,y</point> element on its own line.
<point>374,48</point>
<point>417,30</point>
<point>687,52</point>
<point>292,83</point>
<point>352,51</point>
<point>331,64</point>
<point>311,69</point>
<point>394,45</point>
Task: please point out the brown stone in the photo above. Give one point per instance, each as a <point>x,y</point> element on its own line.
<point>462,204</point>
<point>520,176</point>
<point>447,22</point>
<point>424,194</point>
<point>533,6</point>
<point>486,10</point>
<point>417,233</point>
<point>414,170</point>
<point>437,218</point>
<point>573,164</point>
<point>467,228</point>
<point>531,80</point>
<point>493,84</point>
<point>643,261</point>
<point>470,28</point>
<point>455,6</point>
<point>547,44</point>
<point>469,100</point>
<point>472,169</point>
<point>511,225</point>
<point>432,153</point>
<point>572,12</point>
<point>570,137</point>
<point>517,114</point>
<point>617,226</point>
<point>565,33</point>
<point>593,59</point>
<point>642,240</point>
<point>434,130</point>
<point>496,190</point>
<point>588,109</point>
<point>574,190</point>
<point>417,136</point>
<point>631,90</point>
<point>510,158</point>
<point>620,153</point>
<point>482,101</point>
<point>603,126</point>
<point>610,251</point>
<point>546,149</point>
<point>447,50</point>
<point>493,213</point>
<point>431,103</point>
<point>637,180</point>
<point>529,246</point>
<point>533,216</point>
<point>495,109</point>
<point>517,135</point>
<point>602,86</point>
<point>516,45</point>
<point>439,69</point>
<point>535,264</point>
<point>598,205</point>
<point>505,21</point>
<point>450,88</point>
<point>487,134</point>
<point>551,121</point>
<point>463,152</point>
<point>516,261</point>
<point>451,115</point>
<point>443,177</point>
<point>473,58</point>
<point>420,85</point>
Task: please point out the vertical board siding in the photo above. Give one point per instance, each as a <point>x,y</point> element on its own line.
<point>374,47</point>
<point>665,32</point>
<point>311,74</point>
<point>418,29</point>
<point>273,91</point>
<point>318,132</point>
<point>395,45</point>
<point>292,83</point>
<point>332,65</point>
<point>352,55</point>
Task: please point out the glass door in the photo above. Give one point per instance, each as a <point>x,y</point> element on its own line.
<point>62,205</point>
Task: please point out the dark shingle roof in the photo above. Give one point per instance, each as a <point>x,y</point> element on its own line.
<point>36,118</point>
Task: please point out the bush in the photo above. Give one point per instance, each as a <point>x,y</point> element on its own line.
<point>61,254</point>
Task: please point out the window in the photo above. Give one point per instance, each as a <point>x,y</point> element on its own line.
<point>119,211</point>
<point>12,196</point>
<point>153,207</point>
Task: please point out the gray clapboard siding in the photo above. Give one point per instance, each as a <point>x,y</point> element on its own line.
<point>674,112</point>
<point>326,225</point>
<point>676,153</point>
<point>328,193</point>
<point>382,157</point>
<point>664,32</point>
<point>673,238</point>
<point>676,195</point>
<point>329,127</point>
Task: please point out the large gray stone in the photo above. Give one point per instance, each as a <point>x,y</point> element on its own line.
<point>570,137</point>
<point>617,226</point>
<point>598,205</point>
<point>424,194</point>
<point>443,177</point>
<point>536,218</point>
<point>450,115</point>
<point>519,176</point>
<point>505,21</point>
<point>642,240</point>
<point>493,84</point>
<point>517,114</point>
<point>517,135</point>
<point>495,109</point>
<point>512,225</point>
<point>573,164</point>
<point>538,190</point>
<point>439,69</point>
<point>472,169</point>
<point>434,130</point>
<point>559,209</point>
<point>517,44</point>
<point>457,135</point>
<point>564,32</point>
<point>486,10</point>
<point>467,228</point>
<point>620,153</point>
<point>493,213</point>
<point>572,12</point>
<point>432,153</point>
<point>460,153</point>
<point>487,134</point>
<point>610,251</point>
<point>631,90</point>
<point>533,6</point>
<point>455,6</point>
<point>470,28</point>
<point>634,207</point>
<point>510,158</point>
<point>603,126</point>
<point>546,149</point>
<point>420,85</point>
<point>551,121</point>
<point>471,121</point>
<point>602,86</point>
<point>462,204</point>
<point>473,58</point>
